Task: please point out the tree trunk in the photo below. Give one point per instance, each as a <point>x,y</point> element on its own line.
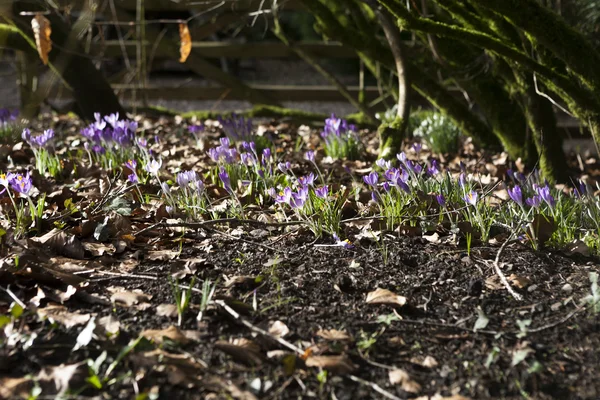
<point>391,135</point>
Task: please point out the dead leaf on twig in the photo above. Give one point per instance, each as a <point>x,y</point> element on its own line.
<point>41,32</point>
<point>186,42</point>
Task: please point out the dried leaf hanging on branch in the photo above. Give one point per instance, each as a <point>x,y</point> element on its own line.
<point>41,32</point>
<point>186,42</point>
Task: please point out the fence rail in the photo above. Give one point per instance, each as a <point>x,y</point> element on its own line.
<point>114,48</point>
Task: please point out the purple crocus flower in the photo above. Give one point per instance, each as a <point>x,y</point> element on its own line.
<point>510,174</point>
<point>581,189</point>
<point>285,196</point>
<point>298,199</point>
<point>471,198</point>
<point>434,169</point>
<point>417,147</point>
<point>224,177</point>
<point>307,180</point>
<point>310,156</point>
<point>371,179</point>
<point>343,243</point>
<point>98,149</point>
<point>544,193</point>
<point>383,164</point>
<point>441,199</point>
<point>133,178</point>
<point>534,201</point>
<point>153,166</point>
<point>21,183</point>
<point>402,185</point>
<point>462,180</point>
<point>414,167</point>
<point>38,141</point>
<point>284,167</point>
<point>112,119</point>
<point>142,142</point>
<point>184,178</point>
<point>392,174</point>
<point>272,192</point>
<point>26,135</point>
<point>194,129</point>
<point>322,192</point>
<point>165,188</point>
<point>386,186</point>
<point>6,115</point>
<point>402,157</point>
<point>131,164</point>
<point>515,194</point>
<point>246,158</point>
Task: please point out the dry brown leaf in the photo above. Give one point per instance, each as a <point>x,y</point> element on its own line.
<point>98,249</point>
<point>60,314</point>
<point>166,310</point>
<point>63,377</point>
<point>519,281</point>
<point>61,243</point>
<point>384,296</point>
<point>172,333</point>
<point>278,329</point>
<point>41,32</point>
<point>243,350</point>
<point>129,298</point>
<point>15,388</point>
<point>543,227</point>
<point>186,42</point>
<point>337,364</point>
<point>427,361</point>
<point>109,324</point>
<point>154,357</point>
<point>401,377</point>
<point>334,334</point>
<point>162,255</point>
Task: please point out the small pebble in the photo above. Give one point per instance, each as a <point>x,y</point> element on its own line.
<point>532,288</point>
<point>567,288</point>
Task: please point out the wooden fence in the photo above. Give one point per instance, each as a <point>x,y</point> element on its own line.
<point>209,17</point>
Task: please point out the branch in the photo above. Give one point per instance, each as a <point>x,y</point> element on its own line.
<point>488,42</point>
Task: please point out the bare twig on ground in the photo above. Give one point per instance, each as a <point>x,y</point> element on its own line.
<point>207,223</point>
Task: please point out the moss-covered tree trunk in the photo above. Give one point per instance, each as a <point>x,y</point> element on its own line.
<point>392,134</point>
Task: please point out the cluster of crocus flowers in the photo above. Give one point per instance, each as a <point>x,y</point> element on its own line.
<point>7,116</point>
<point>223,153</point>
<point>237,128</point>
<point>541,194</point>
<point>21,184</point>
<point>336,127</point>
<point>41,141</point>
<point>110,131</point>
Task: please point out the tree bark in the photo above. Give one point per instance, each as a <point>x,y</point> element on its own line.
<point>391,135</point>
